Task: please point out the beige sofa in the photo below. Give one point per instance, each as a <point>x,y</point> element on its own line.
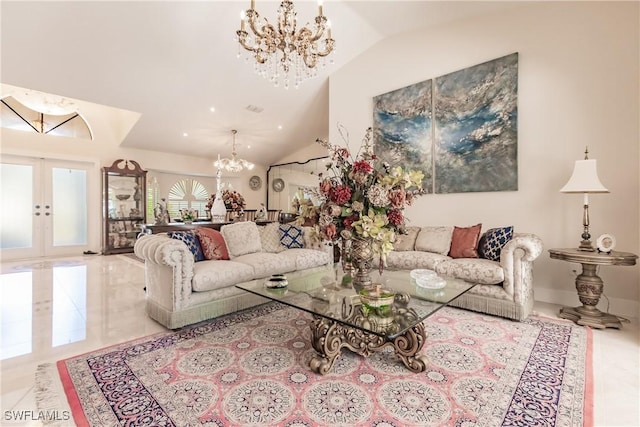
<point>180,291</point>
<point>504,287</point>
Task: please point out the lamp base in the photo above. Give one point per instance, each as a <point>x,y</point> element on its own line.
<point>586,246</point>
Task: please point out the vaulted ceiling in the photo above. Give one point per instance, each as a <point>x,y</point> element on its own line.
<point>173,61</point>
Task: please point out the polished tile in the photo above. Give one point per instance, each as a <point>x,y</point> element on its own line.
<point>52,309</point>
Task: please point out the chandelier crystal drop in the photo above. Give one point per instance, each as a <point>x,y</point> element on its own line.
<point>234,164</point>
<point>284,54</point>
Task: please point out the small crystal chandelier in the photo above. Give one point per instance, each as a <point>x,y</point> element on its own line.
<point>279,51</point>
<point>233,164</point>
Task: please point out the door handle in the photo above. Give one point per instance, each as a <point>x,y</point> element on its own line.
<point>47,214</point>
<point>37,214</point>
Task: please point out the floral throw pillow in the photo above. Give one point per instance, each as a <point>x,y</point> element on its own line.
<point>213,244</point>
<point>464,242</point>
<point>406,242</point>
<point>241,238</point>
<point>434,239</point>
<point>191,240</point>
<point>492,242</point>
<point>270,238</point>
<point>291,236</point>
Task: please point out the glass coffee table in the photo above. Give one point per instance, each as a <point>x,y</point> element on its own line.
<point>340,320</point>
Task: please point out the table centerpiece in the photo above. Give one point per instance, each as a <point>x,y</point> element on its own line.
<point>363,202</point>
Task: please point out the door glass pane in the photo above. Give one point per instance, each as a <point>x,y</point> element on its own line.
<point>16,197</point>
<point>69,207</point>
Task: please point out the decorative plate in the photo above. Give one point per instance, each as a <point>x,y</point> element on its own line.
<point>420,272</point>
<point>606,243</point>
<point>255,182</point>
<point>278,185</point>
<point>431,282</point>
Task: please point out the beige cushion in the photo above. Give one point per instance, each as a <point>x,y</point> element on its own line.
<point>265,264</point>
<point>474,270</point>
<point>242,238</point>
<point>308,258</point>
<point>434,239</point>
<point>406,242</point>
<point>270,238</point>
<point>213,274</point>
<point>408,260</point>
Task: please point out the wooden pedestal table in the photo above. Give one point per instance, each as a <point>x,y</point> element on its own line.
<point>590,285</point>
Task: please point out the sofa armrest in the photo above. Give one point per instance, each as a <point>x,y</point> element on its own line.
<point>168,269</point>
<point>516,258</point>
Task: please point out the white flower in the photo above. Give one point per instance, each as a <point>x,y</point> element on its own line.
<point>378,195</point>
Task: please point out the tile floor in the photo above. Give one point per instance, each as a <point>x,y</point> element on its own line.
<point>56,308</point>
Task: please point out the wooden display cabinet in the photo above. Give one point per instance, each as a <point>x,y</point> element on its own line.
<point>124,185</point>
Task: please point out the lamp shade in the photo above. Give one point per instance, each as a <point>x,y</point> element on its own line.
<point>584,179</point>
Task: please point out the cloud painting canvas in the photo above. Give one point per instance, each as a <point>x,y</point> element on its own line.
<point>475,128</point>
<point>402,129</point>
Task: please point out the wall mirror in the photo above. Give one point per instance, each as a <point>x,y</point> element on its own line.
<point>287,182</point>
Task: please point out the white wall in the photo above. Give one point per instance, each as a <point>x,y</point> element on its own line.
<point>578,86</point>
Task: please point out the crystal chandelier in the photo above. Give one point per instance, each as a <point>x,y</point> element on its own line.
<point>234,164</point>
<point>281,50</point>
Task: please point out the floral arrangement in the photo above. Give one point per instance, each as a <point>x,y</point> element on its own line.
<point>232,200</point>
<point>365,197</point>
<point>188,214</point>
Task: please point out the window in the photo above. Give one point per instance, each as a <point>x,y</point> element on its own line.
<point>187,194</point>
<point>15,115</point>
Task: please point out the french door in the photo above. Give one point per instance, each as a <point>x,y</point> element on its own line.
<point>45,207</point>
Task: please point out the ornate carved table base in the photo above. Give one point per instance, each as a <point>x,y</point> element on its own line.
<point>329,337</point>
<point>589,286</point>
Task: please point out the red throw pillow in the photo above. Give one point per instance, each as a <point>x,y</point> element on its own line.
<point>464,242</point>
<point>213,244</point>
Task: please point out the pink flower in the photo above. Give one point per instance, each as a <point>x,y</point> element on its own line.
<point>397,198</point>
<point>340,194</point>
<point>395,217</point>
<point>362,166</point>
<point>348,221</point>
<point>330,231</point>
<point>325,186</point>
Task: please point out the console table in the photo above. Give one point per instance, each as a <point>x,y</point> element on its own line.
<point>590,285</point>
<point>181,226</point>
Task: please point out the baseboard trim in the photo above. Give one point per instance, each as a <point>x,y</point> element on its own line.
<point>617,306</point>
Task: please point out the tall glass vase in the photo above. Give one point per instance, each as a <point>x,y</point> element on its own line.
<point>361,259</point>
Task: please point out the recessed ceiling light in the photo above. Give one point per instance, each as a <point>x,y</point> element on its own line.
<point>249,147</point>
<point>185,134</point>
<point>212,109</point>
<point>279,127</point>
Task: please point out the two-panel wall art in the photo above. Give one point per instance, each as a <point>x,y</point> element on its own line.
<point>460,129</point>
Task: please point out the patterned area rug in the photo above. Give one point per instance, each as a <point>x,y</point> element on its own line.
<point>251,368</point>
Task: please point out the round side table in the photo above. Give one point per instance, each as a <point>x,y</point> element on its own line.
<point>590,285</point>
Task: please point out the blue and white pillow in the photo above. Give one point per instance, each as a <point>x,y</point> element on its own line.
<point>291,236</point>
<point>492,242</point>
<point>191,240</point>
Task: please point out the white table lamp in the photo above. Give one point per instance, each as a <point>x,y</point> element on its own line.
<point>585,180</point>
